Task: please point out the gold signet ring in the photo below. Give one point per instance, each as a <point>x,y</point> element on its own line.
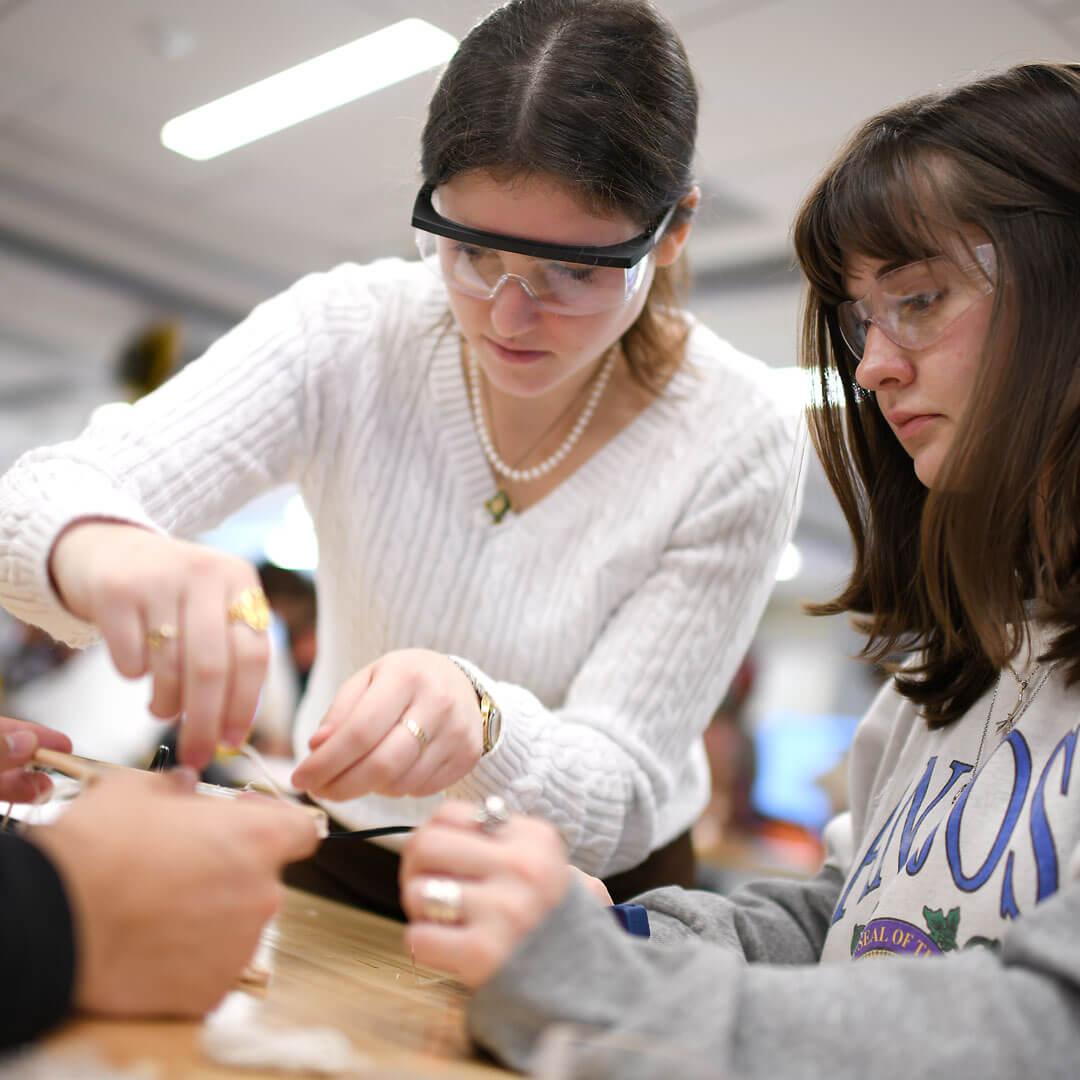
<point>251,609</point>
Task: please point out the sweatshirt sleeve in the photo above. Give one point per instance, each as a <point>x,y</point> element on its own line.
<point>237,421</point>
<point>37,943</point>
<point>604,765</point>
<point>776,920</point>
<point>645,1006</point>
<point>773,920</point>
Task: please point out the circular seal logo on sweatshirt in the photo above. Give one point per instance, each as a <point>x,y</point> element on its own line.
<point>893,937</point>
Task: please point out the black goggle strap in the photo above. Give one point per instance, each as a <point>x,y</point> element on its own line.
<point>622,256</point>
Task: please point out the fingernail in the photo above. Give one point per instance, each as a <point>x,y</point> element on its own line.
<point>43,797</point>
<point>21,744</point>
<point>196,757</point>
<point>183,777</point>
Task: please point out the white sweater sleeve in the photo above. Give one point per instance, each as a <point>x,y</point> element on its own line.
<point>603,765</point>
<point>230,425</point>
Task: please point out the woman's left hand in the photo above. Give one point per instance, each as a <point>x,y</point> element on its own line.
<point>408,724</point>
<point>491,888</point>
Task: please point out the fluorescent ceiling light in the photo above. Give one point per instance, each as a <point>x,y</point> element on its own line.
<point>316,86</point>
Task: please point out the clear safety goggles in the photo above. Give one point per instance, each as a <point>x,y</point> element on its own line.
<point>564,279</point>
<point>914,305</point>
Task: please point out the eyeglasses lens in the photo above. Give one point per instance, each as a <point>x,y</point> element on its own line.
<point>564,288</point>
<point>914,305</point>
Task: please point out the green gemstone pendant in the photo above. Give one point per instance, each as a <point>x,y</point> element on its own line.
<point>498,506</point>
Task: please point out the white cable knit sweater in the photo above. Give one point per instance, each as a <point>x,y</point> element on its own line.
<point>606,621</point>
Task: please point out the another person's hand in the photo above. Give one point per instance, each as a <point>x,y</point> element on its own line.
<point>169,890</point>
<point>506,882</point>
<point>18,742</point>
<point>162,606</point>
<point>407,724</point>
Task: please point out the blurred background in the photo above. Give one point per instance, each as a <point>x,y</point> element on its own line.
<point>120,260</point>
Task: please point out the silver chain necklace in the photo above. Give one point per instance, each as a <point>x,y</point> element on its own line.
<point>1004,726</point>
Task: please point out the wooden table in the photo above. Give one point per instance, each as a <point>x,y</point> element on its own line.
<point>331,966</point>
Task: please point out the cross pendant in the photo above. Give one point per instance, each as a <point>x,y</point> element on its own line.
<point>1005,726</point>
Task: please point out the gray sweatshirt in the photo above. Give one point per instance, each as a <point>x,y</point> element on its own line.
<point>941,938</point>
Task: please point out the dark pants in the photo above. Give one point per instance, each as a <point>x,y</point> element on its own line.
<point>357,872</point>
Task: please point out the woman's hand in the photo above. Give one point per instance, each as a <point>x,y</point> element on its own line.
<point>162,606</point>
<point>18,741</point>
<point>407,724</point>
<point>507,878</point>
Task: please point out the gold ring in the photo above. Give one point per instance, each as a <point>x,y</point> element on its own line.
<point>160,634</point>
<point>251,609</point>
<point>415,730</point>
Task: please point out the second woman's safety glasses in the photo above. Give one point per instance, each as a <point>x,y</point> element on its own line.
<point>564,279</point>
<point>915,304</point>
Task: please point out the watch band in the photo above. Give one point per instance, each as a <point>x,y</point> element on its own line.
<point>490,714</point>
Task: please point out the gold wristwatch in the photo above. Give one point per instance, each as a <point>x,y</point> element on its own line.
<point>490,715</point>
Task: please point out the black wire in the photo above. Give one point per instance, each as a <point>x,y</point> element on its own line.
<point>370,834</point>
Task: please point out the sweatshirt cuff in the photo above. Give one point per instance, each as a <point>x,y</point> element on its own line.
<point>578,945</point>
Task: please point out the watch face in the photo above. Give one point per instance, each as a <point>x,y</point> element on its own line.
<point>492,722</point>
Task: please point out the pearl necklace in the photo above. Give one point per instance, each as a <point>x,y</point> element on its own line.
<point>544,467</point>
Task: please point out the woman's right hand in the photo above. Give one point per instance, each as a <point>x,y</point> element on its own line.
<point>162,606</point>
<point>508,879</point>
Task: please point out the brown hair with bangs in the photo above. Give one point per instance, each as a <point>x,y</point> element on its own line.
<point>597,93</point>
<point>956,572</point>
